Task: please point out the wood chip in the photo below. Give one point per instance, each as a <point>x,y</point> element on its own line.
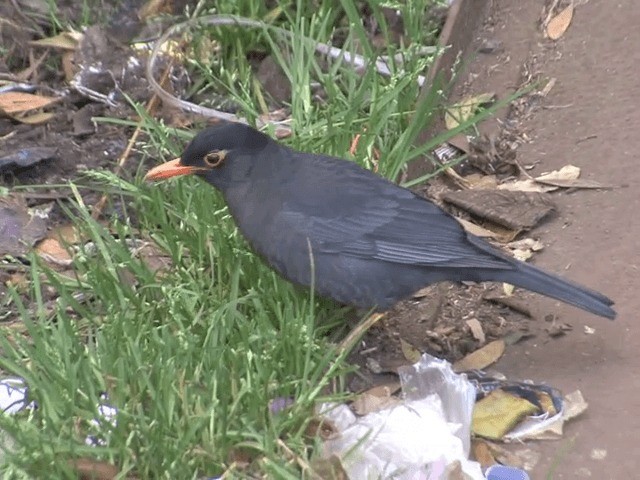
<point>481,358</point>
<point>476,330</point>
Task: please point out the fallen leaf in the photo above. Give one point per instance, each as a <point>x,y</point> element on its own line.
<point>476,330</point>
<point>411,353</point>
<point>522,254</point>
<point>68,66</point>
<point>481,358</point>
<point>466,109</point>
<point>482,453</point>
<point>67,233</point>
<point>50,250</point>
<point>16,102</point>
<point>504,456</point>
<point>567,177</point>
<point>508,289</point>
<point>558,25</point>
<point>512,303</point>
<point>527,185</point>
<point>474,229</point>
<point>478,181</point>
<point>34,119</point>
<point>526,243</point>
<point>62,41</point>
<point>566,173</point>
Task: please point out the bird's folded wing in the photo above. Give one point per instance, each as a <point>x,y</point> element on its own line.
<point>406,229</point>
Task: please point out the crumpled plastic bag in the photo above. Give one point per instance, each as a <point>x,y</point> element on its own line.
<point>417,440</point>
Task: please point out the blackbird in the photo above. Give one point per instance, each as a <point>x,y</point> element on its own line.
<point>365,241</point>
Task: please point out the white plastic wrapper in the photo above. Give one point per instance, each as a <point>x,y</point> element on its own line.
<point>416,440</point>
<point>13,399</point>
<point>13,395</point>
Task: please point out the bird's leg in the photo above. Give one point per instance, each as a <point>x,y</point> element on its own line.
<point>350,340</point>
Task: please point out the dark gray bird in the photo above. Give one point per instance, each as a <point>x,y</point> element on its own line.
<point>372,243</point>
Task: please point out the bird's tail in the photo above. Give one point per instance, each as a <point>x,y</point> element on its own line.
<point>536,280</point>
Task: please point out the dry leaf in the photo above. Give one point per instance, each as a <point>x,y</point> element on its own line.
<point>481,182</point>
<point>411,353</point>
<point>527,243</point>
<point>52,251</point>
<point>68,233</point>
<point>465,109</point>
<point>527,185</point>
<point>481,358</point>
<point>522,254</point>
<point>62,41</point>
<point>482,453</point>
<point>566,177</point>
<point>35,119</point>
<point>474,229</point>
<point>68,66</point>
<point>16,102</point>
<point>476,330</point>
<point>508,289</point>
<point>566,173</point>
<point>558,25</point>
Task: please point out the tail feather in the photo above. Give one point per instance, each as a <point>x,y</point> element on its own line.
<point>536,280</point>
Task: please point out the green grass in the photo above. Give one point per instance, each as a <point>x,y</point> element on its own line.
<point>192,356</point>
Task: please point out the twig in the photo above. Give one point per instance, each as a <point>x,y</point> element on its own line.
<point>299,460</point>
<point>350,340</point>
<point>356,61</point>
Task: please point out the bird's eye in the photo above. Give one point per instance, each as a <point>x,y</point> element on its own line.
<point>215,158</point>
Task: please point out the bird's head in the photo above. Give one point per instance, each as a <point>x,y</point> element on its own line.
<point>219,154</point>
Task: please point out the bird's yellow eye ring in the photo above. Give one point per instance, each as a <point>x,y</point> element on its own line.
<point>214,158</point>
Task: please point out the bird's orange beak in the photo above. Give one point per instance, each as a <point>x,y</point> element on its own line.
<point>170,169</point>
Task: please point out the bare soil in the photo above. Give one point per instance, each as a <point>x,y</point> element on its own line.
<point>590,119</point>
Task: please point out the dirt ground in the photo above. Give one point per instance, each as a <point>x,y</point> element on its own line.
<point>590,119</point>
